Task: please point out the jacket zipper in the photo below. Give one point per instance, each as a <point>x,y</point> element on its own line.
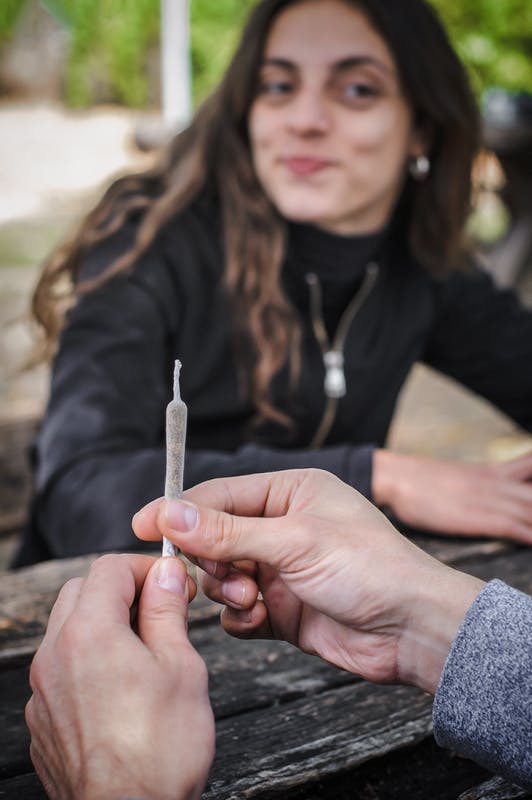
<point>333,355</point>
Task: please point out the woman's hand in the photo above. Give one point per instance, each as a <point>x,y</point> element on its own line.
<point>335,577</point>
<point>115,714</point>
<point>450,497</point>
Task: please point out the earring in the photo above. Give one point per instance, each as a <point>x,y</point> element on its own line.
<point>419,167</point>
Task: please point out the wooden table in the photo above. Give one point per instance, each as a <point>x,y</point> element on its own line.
<point>288,725</point>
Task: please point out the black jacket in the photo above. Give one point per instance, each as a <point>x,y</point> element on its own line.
<point>100,453</point>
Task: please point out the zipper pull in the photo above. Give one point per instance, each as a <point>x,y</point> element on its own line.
<point>334,384</point>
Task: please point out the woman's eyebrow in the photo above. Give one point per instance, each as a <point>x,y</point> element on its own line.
<point>341,65</point>
<point>278,62</point>
<point>360,61</point>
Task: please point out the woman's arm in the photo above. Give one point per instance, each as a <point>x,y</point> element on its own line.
<point>456,498</point>
<point>483,339</point>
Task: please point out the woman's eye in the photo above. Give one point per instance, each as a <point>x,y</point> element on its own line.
<point>275,88</point>
<point>355,91</point>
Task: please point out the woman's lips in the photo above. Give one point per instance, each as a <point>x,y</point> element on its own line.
<point>305,165</point>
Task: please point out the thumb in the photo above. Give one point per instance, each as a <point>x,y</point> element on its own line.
<point>163,608</point>
<point>219,536</point>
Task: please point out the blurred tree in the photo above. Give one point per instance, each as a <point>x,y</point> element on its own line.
<point>214,29</point>
<point>114,43</point>
<point>493,39</point>
<point>110,48</point>
<point>9,11</point>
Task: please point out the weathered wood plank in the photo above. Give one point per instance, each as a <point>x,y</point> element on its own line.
<point>514,568</point>
<point>417,773</point>
<point>282,747</point>
<point>243,676</point>
<point>420,772</point>
<point>269,686</point>
<point>15,483</point>
<point>314,731</point>
<point>496,789</point>
<point>14,752</point>
<point>247,675</point>
<point>27,595</point>
<point>322,723</point>
<point>27,787</point>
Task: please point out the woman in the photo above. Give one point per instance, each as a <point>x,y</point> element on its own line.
<point>299,250</point>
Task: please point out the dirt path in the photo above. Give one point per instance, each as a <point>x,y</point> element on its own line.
<point>54,163</point>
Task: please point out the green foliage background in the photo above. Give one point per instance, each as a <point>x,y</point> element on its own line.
<point>493,39</point>
<point>114,41</point>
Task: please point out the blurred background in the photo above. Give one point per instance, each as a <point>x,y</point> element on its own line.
<point>90,88</point>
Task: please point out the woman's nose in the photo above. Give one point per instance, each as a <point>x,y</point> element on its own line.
<point>308,114</point>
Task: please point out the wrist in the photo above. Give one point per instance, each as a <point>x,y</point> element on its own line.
<point>443,598</point>
<point>383,479</point>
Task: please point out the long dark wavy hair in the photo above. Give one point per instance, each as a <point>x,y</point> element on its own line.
<point>213,155</point>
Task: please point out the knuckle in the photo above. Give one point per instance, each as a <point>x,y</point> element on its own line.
<point>72,638</point>
<point>515,529</point>
<point>105,561</point>
<point>29,713</point>
<point>220,533</point>
<point>36,673</point>
<point>70,590</point>
<point>71,586</point>
<point>163,609</point>
<point>194,667</point>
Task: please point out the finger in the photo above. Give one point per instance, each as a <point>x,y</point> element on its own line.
<point>163,609</point>
<point>515,504</point>
<point>218,569</point>
<point>111,586</point>
<point>219,536</point>
<point>251,623</point>
<point>146,527</point>
<point>236,590</point>
<point>144,522</point>
<point>44,756</point>
<point>247,566</point>
<point>499,517</point>
<point>41,768</point>
<point>192,589</point>
<point>507,511</point>
<point>62,608</point>
<point>265,494</point>
<point>509,526</point>
<point>518,469</point>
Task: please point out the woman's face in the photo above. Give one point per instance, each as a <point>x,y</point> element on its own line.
<point>330,129</point>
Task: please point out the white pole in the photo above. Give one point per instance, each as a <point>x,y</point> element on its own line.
<point>175,63</point>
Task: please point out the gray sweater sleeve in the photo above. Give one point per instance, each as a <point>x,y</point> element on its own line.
<point>483,704</point>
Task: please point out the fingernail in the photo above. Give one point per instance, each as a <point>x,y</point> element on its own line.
<point>171,575</point>
<point>239,614</point>
<point>208,566</point>
<point>234,592</point>
<point>180,516</point>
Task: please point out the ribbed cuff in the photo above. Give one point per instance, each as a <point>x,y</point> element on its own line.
<point>483,704</point>
<point>360,469</point>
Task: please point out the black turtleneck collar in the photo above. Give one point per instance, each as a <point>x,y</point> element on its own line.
<point>339,262</point>
<point>330,256</point>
